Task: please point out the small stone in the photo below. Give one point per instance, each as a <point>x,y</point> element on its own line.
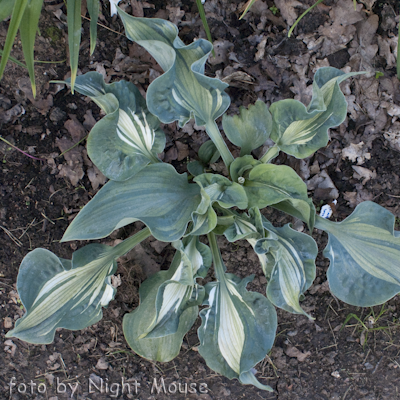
<point>368,366</point>
<point>335,374</point>
<point>8,323</point>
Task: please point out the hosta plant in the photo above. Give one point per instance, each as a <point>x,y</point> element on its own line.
<point>190,211</point>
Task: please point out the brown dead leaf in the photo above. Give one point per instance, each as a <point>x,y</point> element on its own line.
<point>356,152</point>
<point>75,128</point>
<point>287,10</point>
<point>221,49</point>
<point>183,150</point>
<point>294,352</point>
<point>96,177</point>
<point>363,173</point>
<point>102,363</point>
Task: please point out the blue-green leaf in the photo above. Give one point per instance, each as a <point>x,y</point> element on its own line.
<point>299,130</point>
<point>238,327</point>
<point>279,186</point>
<point>180,291</point>
<point>291,265</point>
<point>250,129</point>
<point>364,254</point>
<point>183,91</point>
<point>128,138</point>
<point>215,188</point>
<point>157,196</point>
<point>163,348</point>
<point>59,293</point>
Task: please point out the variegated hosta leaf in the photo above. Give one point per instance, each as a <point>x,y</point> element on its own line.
<point>250,129</point>
<point>215,188</point>
<point>246,226</point>
<point>182,91</point>
<point>279,186</point>
<point>181,291</point>
<point>128,137</point>
<point>249,227</point>
<point>290,267</point>
<point>60,293</point>
<point>364,254</point>
<point>238,329</point>
<point>164,348</point>
<point>299,130</point>
<point>157,196</point>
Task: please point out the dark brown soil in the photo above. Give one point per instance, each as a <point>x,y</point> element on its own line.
<point>337,358</point>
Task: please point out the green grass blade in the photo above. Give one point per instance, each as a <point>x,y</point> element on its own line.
<point>6,7</point>
<point>28,28</point>
<point>205,23</point>
<point>93,8</point>
<point>247,7</point>
<point>14,60</point>
<point>74,36</point>
<point>398,55</point>
<point>302,15</point>
<point>17,14</point>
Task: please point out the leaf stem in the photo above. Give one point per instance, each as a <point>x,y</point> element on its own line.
<point>128,244</point>
<point>216,255</point>
<point>215,135</point>
<point>270,154</point>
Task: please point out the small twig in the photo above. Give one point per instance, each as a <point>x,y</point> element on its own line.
<point>11,236</point>
<point>23,152</point>
<point>26,229</point>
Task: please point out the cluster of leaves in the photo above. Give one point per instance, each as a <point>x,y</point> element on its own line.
<point>25,18</point>
<point>238,327</point>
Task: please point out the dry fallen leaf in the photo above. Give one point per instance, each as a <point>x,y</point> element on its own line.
<point>102,363</point>
<point>363,173</point>
<point>356,152</point>
<point>293,351</point>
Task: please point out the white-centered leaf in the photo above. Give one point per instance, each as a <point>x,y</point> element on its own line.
<point>58,293</point>
<point>183,91</point>
<point>164,347</point>
<point>364,254</point>
<point>128,138</point>
<point>181,291</point>
<point>238,327</point>
<point>299,130</point>
<point>290,267</point>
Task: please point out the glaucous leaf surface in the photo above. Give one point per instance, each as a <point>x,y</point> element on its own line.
<point>157,195</point>
<point>290,267</point>
<point>238,327</point>
<point>299,130</point>
<point>60,293</point>
<point>183,91</point>
<point>364,254</point>
<point>181,291</point>
<point>250,129</point>
<point>164,348</point>
<point>215,188</point>
<point>279,186</point>
<point>128,138</point>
